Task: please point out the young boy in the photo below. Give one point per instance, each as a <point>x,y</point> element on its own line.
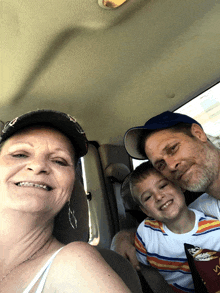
<point>160,238</point>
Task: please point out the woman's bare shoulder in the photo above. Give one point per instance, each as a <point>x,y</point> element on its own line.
<point>80,266</point>
<point>78,250</point>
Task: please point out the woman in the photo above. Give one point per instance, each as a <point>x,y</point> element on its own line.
<point>39,151</point>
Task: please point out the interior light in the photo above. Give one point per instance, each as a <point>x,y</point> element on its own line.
<point>111,4</point>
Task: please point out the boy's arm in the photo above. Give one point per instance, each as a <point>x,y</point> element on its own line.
<point>123,243</point>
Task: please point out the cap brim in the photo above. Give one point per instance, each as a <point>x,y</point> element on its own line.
<point>55,119</point>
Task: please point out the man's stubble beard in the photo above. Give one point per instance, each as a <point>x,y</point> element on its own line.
<point>206,174</point>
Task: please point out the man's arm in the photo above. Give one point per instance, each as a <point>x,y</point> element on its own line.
<point>207,204</point>
<point>155,280</point>
<point>123,244</point>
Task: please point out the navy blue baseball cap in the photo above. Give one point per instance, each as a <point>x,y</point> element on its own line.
<point>161,121</point>
<point>63,122</point>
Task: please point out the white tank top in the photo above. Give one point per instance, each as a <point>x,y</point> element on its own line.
<point>41,274</point>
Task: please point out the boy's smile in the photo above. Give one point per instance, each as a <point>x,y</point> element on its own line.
<point>160,198</point>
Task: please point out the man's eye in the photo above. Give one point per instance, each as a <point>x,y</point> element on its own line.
<point>174,148</point>
<point>160,166</point>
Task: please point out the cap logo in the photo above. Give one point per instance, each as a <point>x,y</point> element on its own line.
<point>78,127</point>
<point>9,124</point>
<point>12,122</point>
<point>71,118</point>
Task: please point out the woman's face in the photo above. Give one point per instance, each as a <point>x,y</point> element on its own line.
<point>36,170</point>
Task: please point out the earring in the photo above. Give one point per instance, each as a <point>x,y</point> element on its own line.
<point>71,214</point>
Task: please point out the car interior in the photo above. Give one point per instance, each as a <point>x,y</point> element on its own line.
<point>112,64</point>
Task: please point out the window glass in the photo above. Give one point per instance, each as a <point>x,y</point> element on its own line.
<point>93,221</point>
<point>205,108</point>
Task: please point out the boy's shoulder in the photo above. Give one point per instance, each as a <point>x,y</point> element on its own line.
<point>206,223</point>
<point>151,224</point>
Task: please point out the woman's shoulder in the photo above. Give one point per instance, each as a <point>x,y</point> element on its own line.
<point>80,266</point>
<point>69,263</point>
<point>76,253</point>
<point>78,248</point>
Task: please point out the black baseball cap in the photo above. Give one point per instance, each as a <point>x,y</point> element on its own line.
<point>65,123</point>
<point>161,121</point>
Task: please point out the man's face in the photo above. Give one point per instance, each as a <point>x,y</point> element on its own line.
<point>187,161</point>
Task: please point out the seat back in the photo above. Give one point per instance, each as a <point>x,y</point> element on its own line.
<point>133,211</point>
<point>64,232</point>
<point>123,268</point>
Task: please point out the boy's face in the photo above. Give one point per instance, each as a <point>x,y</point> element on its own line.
<point>160,198</point>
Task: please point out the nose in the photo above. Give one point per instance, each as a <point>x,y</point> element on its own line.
<point>158,196</point>
<point>172,163</point>
<point>38,166</point>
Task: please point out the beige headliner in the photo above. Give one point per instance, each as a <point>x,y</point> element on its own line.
<point>111,69</point>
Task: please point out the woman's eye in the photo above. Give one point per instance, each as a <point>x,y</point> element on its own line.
<point>60,162</point>
<point>19,155</point>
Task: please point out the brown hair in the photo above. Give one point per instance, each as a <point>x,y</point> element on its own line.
<point>138,175</point>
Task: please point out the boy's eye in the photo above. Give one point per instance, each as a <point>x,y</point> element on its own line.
<point>163,185</point>
<point>147,198</point>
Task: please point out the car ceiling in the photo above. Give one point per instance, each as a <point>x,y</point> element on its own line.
<point>110,68</point>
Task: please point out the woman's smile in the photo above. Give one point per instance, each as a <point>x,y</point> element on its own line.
<point>35,185</point>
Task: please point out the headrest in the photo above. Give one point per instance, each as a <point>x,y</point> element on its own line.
<point>129,204</point>
<point>63,231</point>
<point>128,201</point>
<point>117,172</point>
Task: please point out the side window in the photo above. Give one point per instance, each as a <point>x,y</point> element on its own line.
<point>94,238</point>
<point>205,108</point>
<point>136,163</point>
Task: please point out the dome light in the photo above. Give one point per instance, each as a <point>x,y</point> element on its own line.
<point>111,4</point>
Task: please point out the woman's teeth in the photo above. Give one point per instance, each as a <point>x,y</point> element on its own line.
<point>29,184</point>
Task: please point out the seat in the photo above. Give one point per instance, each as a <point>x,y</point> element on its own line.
<point>131,207</point>
<point>66,234</point>
<point>63,231</point>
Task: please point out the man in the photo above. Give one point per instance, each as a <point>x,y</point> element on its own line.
<point>178,147</point>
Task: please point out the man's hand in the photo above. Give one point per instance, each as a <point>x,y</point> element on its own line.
<point>123,244</point>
